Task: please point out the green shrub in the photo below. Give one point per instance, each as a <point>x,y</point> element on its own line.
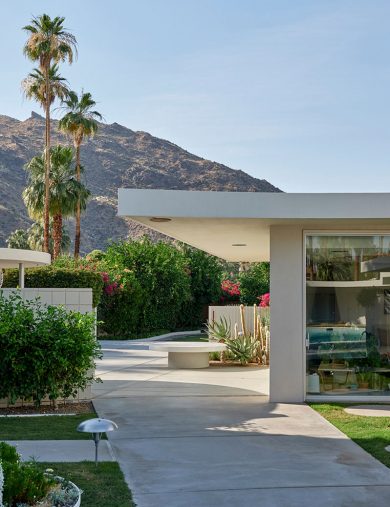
<point>51,276</point>
<point>254,282</point>
<point>45,351</point>
<point>120,309</point>
<point>161,271</point>
<point>24,483</point>
<point>205,273</point>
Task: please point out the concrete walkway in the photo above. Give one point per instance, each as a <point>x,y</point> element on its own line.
<point>59,451</point>
<point>205,438</point>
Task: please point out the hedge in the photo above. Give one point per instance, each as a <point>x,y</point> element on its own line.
<point>51,277</point>
<point>254,283</point>
<point>45,351</point>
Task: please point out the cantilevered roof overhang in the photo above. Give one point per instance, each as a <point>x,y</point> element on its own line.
<point>236,225</point>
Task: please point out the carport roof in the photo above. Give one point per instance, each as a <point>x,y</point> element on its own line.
<point>236,225</point>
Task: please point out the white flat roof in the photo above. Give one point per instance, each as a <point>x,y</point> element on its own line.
<point>235,225</point>
<point>12,257</point>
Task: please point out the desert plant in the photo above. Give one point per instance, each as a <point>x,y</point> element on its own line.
<point>219,330</point>
<point>243,348</point>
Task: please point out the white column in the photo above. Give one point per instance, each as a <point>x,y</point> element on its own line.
<point>287,344</point>
<point>21,275</point>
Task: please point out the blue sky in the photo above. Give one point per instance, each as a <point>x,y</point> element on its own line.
<point>296,92</point>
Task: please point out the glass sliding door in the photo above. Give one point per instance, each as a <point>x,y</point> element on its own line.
<point>348,314</point>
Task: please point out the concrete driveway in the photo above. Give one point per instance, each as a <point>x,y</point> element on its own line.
<point>205,438</point>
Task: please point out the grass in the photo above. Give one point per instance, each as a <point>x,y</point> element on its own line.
<point>102,486</point>
<point>51,427</point>
<point>371,433</point>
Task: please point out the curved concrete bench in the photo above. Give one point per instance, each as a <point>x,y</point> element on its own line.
<point>188,354</point>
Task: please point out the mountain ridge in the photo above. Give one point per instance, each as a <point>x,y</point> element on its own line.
<point>116,157</point>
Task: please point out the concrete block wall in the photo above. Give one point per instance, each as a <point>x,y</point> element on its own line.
<point>79,300</point>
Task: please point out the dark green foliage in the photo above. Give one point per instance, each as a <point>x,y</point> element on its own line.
<point>161,271</point>
<point>23,482</point>
<point>120,311</point>
<point>254,282</point>
<point>205,273</point>
<point>45,351</point>
<point>51,276</point>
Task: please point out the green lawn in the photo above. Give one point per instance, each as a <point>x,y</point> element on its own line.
<point>51,427</point>
<point>371,433</point>
<point>103,486</point>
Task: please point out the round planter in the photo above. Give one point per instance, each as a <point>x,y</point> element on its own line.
<point>77,502</point>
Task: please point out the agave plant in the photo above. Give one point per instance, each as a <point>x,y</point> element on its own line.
<point>243,348</point>
<point>219,331</point>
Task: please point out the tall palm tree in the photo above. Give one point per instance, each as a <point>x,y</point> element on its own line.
<point>48,42</point>
<point>34,86</point>
<point>65,190</point>
<point>35,237</point>
<point>80,121</point>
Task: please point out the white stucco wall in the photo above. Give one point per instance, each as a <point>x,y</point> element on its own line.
<point>286,348</point>
<point>79,300</point>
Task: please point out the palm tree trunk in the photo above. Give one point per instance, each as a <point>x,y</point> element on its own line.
<point>57,234</point>
<point>46,224</point>
<point>78,211</point>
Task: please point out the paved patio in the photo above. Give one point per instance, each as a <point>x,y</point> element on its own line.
<point>205,438</point>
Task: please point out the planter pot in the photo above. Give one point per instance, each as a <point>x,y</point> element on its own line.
<point>77,500</point>
<point>364,385</point>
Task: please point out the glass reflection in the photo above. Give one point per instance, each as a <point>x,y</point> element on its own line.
<point>348,314</point>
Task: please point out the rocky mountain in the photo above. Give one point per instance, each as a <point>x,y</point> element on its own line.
<point>116,157</point>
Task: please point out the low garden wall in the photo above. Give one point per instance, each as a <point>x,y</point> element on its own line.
<point>78,300</point>
<point>232,314</point>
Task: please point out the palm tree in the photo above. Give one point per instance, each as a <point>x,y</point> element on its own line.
<point>79,122</point>
<point>48,43</point>
<point>65,190</point>
<point>35,237</point>
<point>34,86</point>
<point>18,239</point>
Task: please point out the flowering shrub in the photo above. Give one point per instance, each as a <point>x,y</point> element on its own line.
<point>111,287</point>
<point>253,282</point>
<point>264,300</point>
<point>230,291</point>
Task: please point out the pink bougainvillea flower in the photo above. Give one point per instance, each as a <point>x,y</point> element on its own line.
<point>265,300</point>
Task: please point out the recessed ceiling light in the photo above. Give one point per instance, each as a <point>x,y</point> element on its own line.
<point>160,219</point>
<point>239,244</point>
